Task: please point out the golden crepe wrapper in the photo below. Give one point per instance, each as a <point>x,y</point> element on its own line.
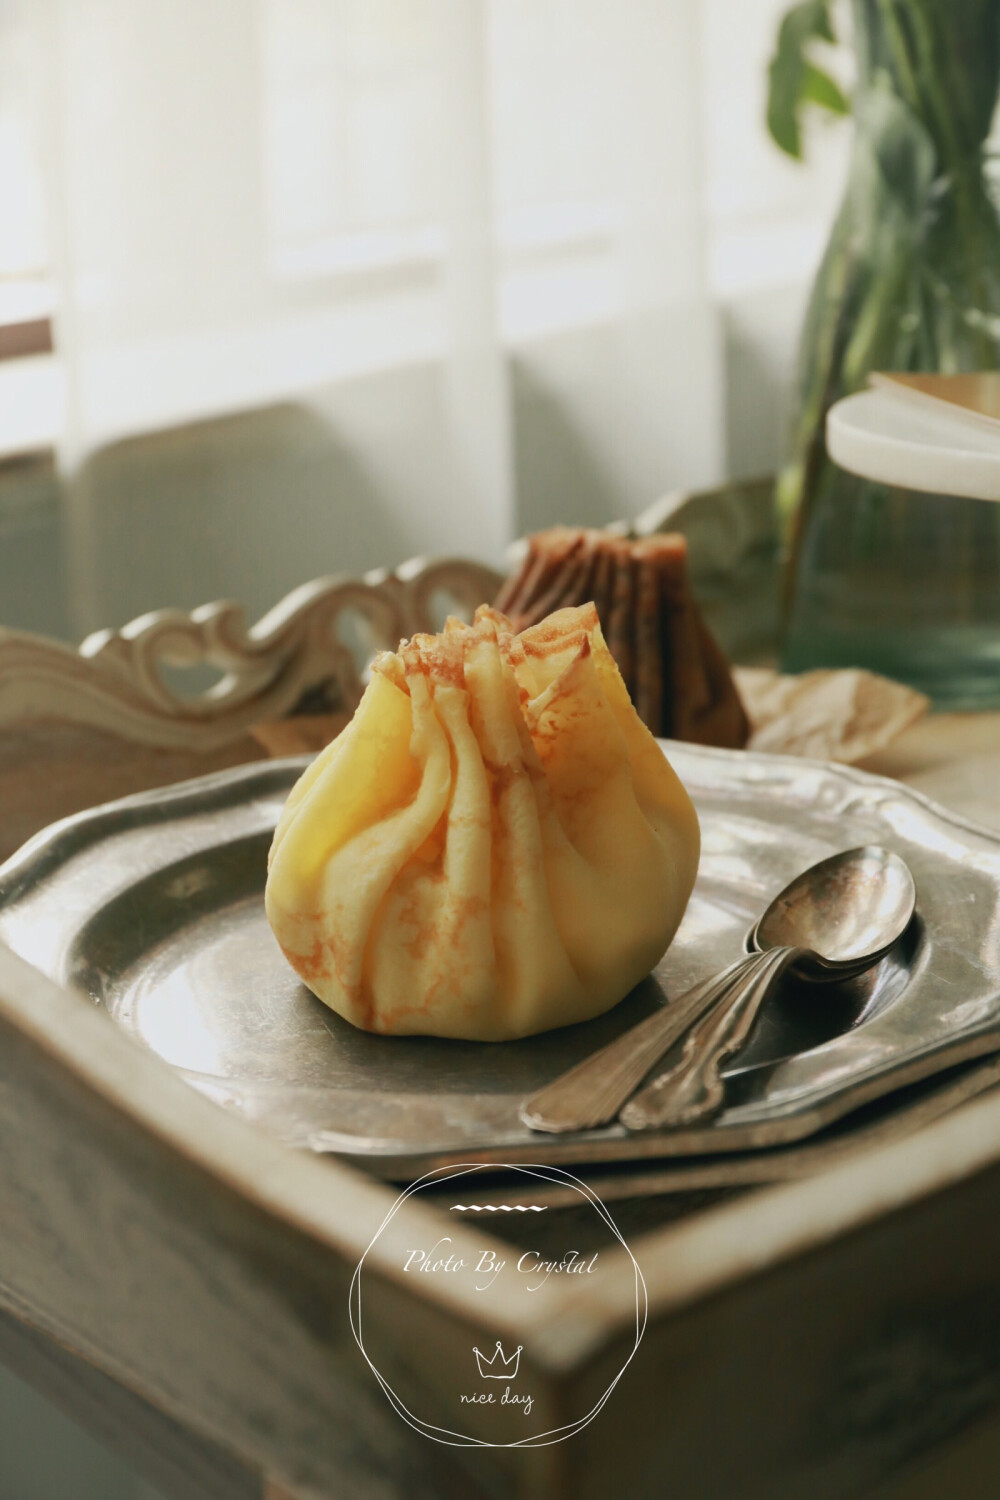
<point>494,846</point>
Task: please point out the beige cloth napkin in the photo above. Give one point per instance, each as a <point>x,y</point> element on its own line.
<point>844,715</point>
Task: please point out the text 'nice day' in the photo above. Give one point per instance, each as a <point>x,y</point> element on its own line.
<point>509,1398</point>
<point>487,1267</point>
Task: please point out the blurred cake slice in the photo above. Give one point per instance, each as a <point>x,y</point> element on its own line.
<point>676,674</point>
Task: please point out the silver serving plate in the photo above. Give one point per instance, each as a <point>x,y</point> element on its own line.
<point>153,907</point>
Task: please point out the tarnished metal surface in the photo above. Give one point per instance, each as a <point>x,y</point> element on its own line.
<point>153,907</point>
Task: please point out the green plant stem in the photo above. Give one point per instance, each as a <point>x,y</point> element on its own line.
<point>814,417</point>
<point>901,57</point>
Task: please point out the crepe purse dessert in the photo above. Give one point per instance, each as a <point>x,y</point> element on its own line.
<point>494,846</point>
<point>675,672</point>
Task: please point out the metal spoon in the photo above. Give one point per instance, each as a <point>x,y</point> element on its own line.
<point>835,920</point>
<point>592,1092</point>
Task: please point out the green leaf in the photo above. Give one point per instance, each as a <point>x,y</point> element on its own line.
<point>794,80</point>
<point>819,88</point>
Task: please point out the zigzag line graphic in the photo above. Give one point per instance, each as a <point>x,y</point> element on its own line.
<point>499,1208</point>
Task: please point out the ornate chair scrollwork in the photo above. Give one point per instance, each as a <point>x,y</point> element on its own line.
<point>82,726</point>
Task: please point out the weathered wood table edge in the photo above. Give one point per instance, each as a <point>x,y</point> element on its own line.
<point>810,1338</point>
<point>206,1267</point>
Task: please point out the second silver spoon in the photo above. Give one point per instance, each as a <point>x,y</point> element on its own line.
<point>837,919</point>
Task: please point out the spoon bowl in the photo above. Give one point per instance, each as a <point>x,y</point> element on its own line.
<point>842,914</point>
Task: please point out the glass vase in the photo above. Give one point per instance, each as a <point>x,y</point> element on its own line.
<point>901,582</point>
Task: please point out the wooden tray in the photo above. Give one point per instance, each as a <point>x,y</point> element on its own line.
<point>179,1279</point>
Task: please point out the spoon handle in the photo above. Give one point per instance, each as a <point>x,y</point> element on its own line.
<point>693,1089</point>
<point>592,1092</point>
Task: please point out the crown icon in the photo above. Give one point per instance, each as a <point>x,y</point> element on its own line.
<point>498,1366</point>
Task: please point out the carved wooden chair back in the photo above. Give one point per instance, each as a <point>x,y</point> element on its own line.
<point>78,727</point>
